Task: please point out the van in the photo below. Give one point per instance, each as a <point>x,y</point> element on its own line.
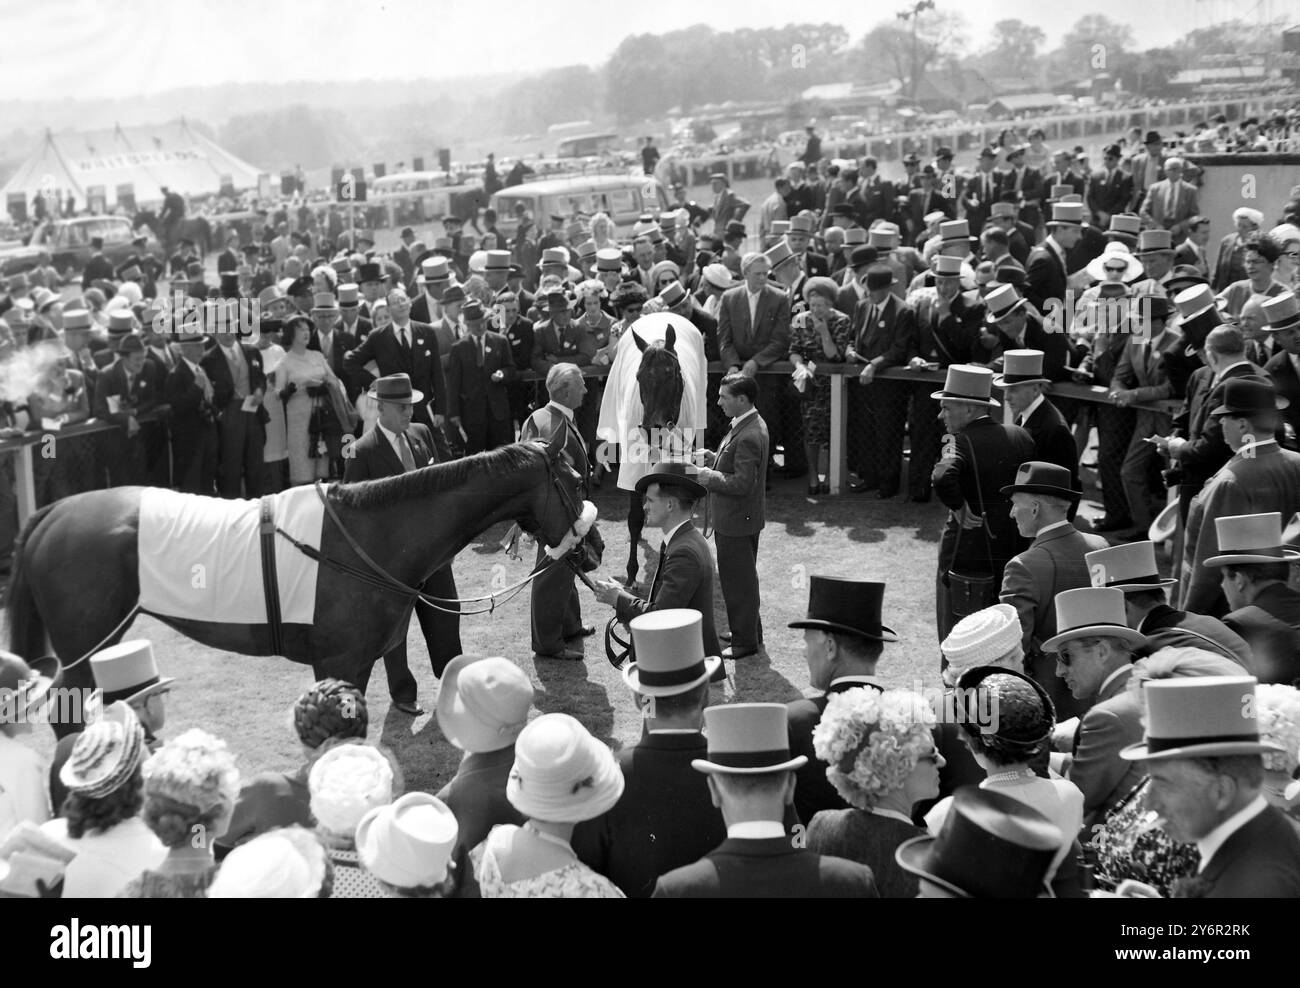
<point>421,197</point>
<point>622,197</point>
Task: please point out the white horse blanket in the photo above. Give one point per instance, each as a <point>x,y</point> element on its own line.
<point>201,557</point>
<point>621,409</point>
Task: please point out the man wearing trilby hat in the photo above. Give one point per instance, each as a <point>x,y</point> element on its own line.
<point>751,780</point>
<point>665,818</point>
<point>1202,753</point>
<point>127,390</point>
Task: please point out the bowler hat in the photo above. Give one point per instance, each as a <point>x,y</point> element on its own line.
<point>1021,367</point>
<point>1251,539</point>
<point>987,152</point>
<point>851,606</point>
<point>1091,612</point>
<point>483,702</point>
<point>862,257</point>
<point>991,846</point>
<point>747,739</point>
<point>396,388</point>
<point>1039,477</point>
<point>1199,717</point>
<point>880,276</point>
<point>675,473</point>
<point>1183,276</point>
<point>968,383</point>
<point>472,311</point>
<point>669,649</point>
<point>1249,395</point>
<point>130,343</point>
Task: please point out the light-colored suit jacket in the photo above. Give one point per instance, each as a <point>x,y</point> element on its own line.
<point>1159,208</point>
<point>1113,723</point>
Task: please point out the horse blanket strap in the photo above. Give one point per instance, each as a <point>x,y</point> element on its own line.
<point>270,585</point>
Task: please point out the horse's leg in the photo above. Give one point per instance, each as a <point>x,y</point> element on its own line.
<point>635,526</point>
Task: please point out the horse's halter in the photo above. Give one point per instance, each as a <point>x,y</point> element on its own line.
<point>566,499</point>
<point>666,347</point>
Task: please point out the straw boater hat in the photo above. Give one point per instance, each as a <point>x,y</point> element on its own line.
<point>106,754</point>
<point>747,739</point>
<point>483,703</point>
<point>851,606</point>
<point>1021,367</point>
<point>991,846</point>
<point>1282,312</point>
<point>1251,539</point>
<point>128,671</point>
<point>1001,302</point>
<point>1038,477</point>
<point>408,843</point>
<point>561,773</point>
<point>669,649</point>
<point>31,681</point>
<point>395,387</point>
<point>1199,717</point>
<point>969,383</point>
<point>1091,612</point>
<point>1130,567</point>
<point>983,637</point>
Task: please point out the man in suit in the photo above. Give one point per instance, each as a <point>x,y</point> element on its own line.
<point>558,339</point>
<point>1063,174</point>
<point>1111,189</point>
<point>395,446</point>
<point>1019,328</point>
<point>98,267</point>
<point>1202,751</point>
<point>1024,389</point>
<point>1282,315</point>
<point>1171,202</point>
<point>518,332</point>
<point>433,280</point>
<point>477,375</point>
<point>1041,499</point>
<point>983,457</point>
<point>927,199</point>
<point>238,384</point>
<point>1148,169</point>
<point>1254,568</point>
<point>556,614</point>
<point>351,320</point>
<point>736,476</point>
<point>1191,252</point>
<point>193,425</point>
<point>1261,476</point>
<point>228,259</point>
<point>127,389</point>
<point>883,336</point>
<point>403,256</point>
<point>981,191</point>
<point>665,818</point>
<point>727,206</point>
<point>408,347</point>
<point>1230,260</point>
<point>876,193</point>
<point>1020,235</point>
<point>1025,184</point>
<point>843,642</point>
<point>684,577</point>
<point>1046,271</point>
<point>751,781</point>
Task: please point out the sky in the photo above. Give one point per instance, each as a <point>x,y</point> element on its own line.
<point>122,48</point>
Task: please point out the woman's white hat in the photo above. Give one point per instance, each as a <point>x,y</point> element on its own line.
<point>483,703</point>
<point>346,783</point>
<point>408,843</point>
<point>981,638</point>
<point>561,773</point>
<point>288,863</point>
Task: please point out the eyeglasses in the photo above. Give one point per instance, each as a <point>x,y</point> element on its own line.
<point>1114,269</point>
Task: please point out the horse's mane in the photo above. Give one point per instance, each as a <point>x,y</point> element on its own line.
<point>437,478</point>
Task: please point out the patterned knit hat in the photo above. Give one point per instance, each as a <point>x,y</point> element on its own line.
<point>106,754</point>
<point>981,638</point>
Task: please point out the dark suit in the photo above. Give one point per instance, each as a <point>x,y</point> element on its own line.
<point>1166,627</point>
<point>997,451</point>
<point>1138,178</point>
<point>423,363</point>
<point>767,868</point>
<point>737,487</point>
<point>556,614</point>
<point>1053,440</point>
<point>126,455</point>
<point>98,268</point>
<point>981,192</point>
<point>1206,450</point>
<point>1270,625</point>
<point>1281,369</point>
<point>1261,860</point>
<point>476,796</point>
<point>482,404</point>
<point>1030,192</point>
<point>684,578</point>
<point>1045,277</point>
<point>812,791</point>
<point>1055,347</point>
<point>665,818</point>
<point>921,203</point>
<point>1188,253</point>
<point>522,393</point>
<point>242,435</point>
<point>878,411</point>
<point>943,340</point>
<point>1229,262</point>
<point>1108,196</point>
<point>341,342</point>
<point>372,457</point>
<point>877,200</point>
<point>425,310</point>
<point>193,427</point>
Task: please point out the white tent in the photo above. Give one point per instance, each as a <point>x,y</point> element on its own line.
<point>88,164</point>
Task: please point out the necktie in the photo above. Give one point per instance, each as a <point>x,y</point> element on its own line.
<point>130,384</point>
<point>1173,200</point>
<point>406,343</point>
<point>478,350</point>
<point>404,446</point>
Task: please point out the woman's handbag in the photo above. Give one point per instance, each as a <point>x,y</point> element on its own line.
<point>971,592</point>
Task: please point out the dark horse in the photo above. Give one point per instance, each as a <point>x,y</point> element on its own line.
<point>660,385</point>
<point>75,563</point>
<point>196,228</point>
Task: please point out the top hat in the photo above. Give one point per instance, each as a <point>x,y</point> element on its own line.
<point>408,843</point>
<point>1248,395</point>
<point>946,266</point>
<point>435,269</point>
<point>609,259</point>
<point>1057,193</point>
<point>1183,276</point>
<point>1129,567</point>
<point>669,649</point>
<point>1124,226</point>
<point>341,265</point>
<point>668,220</point>
<point>778,253</point>
<point>483,702</point>
<point>802,224</point>
<point>443,245</point>
<point>105,754</point>
<point>855,236</point>
<point>554,255</point>
<point>1251,539</point>
<point>1091,612</point>
<point>349,296</point>
<point>128,671</point>
<point>1000,210</point>
<point>395,387</point>
<point>77,319</point>
<point>1154,242</point>
<point>954,232</point>
<point>30,681</point>
<point>1282,312</point>
<point>969,383</point>
<point>1021,367</point>
<point>1199,717</point>
<point>674,472</point>
<point>991,846</point>
<point>850,606</point>
<point>779,228</point>
<point>1039,477</point>
<point>498,260</point>
<point>561,773</point>
<point>324,302</point>
<point>747,739</point>
<point>1001,302</point>
<point>1066,214</point>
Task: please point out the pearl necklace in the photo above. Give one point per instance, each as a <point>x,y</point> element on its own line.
<point>1022,774</point>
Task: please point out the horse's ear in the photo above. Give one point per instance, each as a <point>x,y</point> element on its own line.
<point>640,343</point>
<point>556,445</point>
<point>670,337</point>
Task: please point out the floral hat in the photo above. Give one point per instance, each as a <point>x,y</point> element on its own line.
<point>347,782</point>
<point>872,740</point>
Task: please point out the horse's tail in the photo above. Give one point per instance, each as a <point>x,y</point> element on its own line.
<point>26,627</point>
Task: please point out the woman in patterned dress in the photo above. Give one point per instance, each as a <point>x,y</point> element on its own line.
<point>819,335</point>
<point>346,783</point>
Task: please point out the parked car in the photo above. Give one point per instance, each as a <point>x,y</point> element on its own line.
<point>67,242</point>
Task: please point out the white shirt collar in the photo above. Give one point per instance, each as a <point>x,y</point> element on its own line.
<point>566,412</point>
<point>1033,407</point>
<point>1215,839</point>
<point>391,437</point>
<point>860,680</point>
<point>1240,363</point>
<point>668,535</point>
<point>194,368</point>
<point>1255,445</point>
<point>740,418</point>
<point>1064,523</point>
<point>1112,677</point>
<point>890,814</point>
<point>756,830</point>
